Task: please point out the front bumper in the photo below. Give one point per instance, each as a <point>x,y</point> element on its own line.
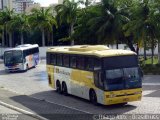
<point>122,96</point>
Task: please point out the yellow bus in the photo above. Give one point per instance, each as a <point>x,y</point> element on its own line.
<point>95,73</point>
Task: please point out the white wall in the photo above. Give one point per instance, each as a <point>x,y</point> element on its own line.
<point>121,46</point>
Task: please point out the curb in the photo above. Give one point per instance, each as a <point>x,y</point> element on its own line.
<point>22,111</point>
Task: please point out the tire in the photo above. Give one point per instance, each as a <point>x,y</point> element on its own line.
<point>64,89</point>
<point>58,87</point>
<point>93,97</point>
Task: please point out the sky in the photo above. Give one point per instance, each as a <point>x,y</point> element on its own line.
<point>46,2</point>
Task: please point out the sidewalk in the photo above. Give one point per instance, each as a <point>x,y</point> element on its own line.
<point>41,107</point>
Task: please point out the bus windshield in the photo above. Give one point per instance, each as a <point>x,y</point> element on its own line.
<point>13,57</point>
<point>121,72</point>
<point>125,78</point>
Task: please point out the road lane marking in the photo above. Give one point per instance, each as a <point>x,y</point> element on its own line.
<point>150,83</point>
<point>48,101</point>
<point>22,111</point>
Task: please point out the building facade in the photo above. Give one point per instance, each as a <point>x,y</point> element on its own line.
<point>20,6</point>
<point>6,4</point>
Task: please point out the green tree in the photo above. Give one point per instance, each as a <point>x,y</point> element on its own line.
<point>155,18</point>
<point>140,24</point>
<point>20,23</point>
<point>83,34</point>
<point>67,13</point>
<point>108,25</point>
<point>43,20</point>
<point>5,17</point>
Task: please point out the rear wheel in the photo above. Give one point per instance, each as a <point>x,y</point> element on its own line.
<point>58,87</point>
<point>64,88</point>
<point>93,97</point>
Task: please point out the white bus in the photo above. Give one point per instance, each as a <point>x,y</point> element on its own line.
<point>21,58</point>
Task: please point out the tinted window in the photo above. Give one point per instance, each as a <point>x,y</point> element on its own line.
<point>53,58</point>
<point>48,58</point>
<point>120,62</point>
<point>73,62</point>
<point>80,62</point>
<point>97,64</point>
<point>89,63</point>
<point>59,60</point>
<point>66,60</point>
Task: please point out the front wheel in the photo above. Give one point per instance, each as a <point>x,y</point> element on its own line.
<point>93,97</point>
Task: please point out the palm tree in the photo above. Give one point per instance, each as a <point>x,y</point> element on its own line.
<point>155,18</point>
<point>5,17</point>
<point>108,25</point>
<point>140,24</point>
<point>67,13</point>
<point>20,23</point>
<point>83,34</point>
<point>43,20</point>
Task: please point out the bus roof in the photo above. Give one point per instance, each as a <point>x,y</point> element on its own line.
<point>95,50</point>
<point>23,47</point>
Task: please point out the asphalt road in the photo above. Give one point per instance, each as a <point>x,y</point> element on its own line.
<point>34,84</point>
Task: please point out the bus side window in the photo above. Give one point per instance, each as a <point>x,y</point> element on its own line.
<point>80,62</point>
<point>66,60</point>
<point>73,62</point>
<point>59,59</point>
<point>89,64</point>
<point>97,64</point>
<point>53,58</point>
<point>98,79</point>
<point>48,58</point>
<point>24,53</point>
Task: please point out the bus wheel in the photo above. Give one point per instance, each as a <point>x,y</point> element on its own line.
<point>64,88</point>
<point>93,97</point>
<point>58,87</point>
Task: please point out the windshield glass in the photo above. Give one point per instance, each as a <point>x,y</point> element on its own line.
<point>13,57</point>
<point>124,78</point>
<point>131,73</point>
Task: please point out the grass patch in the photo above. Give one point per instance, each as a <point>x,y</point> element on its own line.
<point>148,67</point>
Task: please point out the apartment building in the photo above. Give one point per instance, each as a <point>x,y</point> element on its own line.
<point>6,4</point>
<point>20,6</point>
